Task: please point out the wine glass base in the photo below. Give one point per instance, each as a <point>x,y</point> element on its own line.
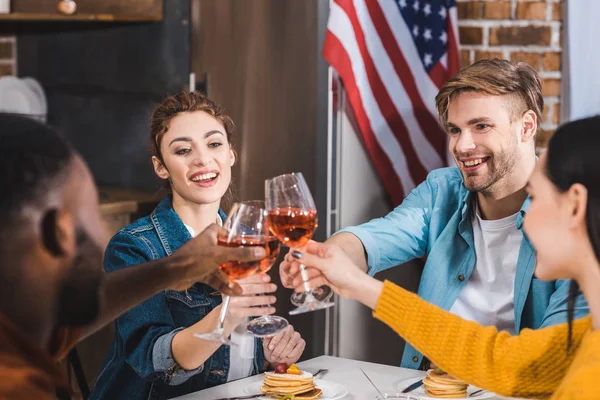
<point>311,306</point>
<point>267,326</point>
<point>215,336</point>
<point>322,294</point>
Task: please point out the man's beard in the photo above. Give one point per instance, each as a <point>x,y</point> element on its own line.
<point>79,295</point>
<point>499,166</point>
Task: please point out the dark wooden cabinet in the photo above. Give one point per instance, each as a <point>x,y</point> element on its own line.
<point>261,60</point>
<point>102,82</point>
<point>87,10</point>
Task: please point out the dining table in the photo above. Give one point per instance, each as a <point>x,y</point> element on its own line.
<point>363,380</point>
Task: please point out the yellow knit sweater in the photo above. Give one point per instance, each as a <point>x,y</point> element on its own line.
<point>534,364</point>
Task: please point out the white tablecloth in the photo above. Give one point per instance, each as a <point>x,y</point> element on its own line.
<point>341,370</point>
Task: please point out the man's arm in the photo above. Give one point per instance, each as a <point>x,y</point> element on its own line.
<point>382,243</point>
<point>126,288</point>
<point>353,248</point>
<point>196,261</point>
<point>556,312</point>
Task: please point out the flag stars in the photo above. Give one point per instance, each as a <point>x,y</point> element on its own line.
<point>427,60</point>
<point>427,34</point>
<point>443,37</point>
<point>427,9</point>
<point>442,12</point>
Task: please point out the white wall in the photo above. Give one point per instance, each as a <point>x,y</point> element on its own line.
<point>581,82</point>
<point>362,198</point>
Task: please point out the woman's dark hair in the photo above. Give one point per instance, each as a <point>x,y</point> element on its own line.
<point>573,158</point>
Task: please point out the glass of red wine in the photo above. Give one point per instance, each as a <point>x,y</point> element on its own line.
<point>292,217</point>
<point>245,226</point>
<point>268,325</point>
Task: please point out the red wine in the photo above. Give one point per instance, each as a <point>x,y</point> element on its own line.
<point>241,269</point>
<point>272,254</point>
<point>293,226</point>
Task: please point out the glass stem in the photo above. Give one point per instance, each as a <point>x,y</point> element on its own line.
<point>304,275</point>
<point>266,305</point>
<point>223,314</point>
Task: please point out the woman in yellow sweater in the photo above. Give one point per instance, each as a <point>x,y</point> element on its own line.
<point>563,223</point>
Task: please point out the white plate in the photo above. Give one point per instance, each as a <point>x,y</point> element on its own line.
<point>420,391</point>
<point>17,97</point>
<point>331,390</point>
<point>37,88</point>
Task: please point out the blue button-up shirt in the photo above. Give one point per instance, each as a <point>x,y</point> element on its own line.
<point>434,221</point>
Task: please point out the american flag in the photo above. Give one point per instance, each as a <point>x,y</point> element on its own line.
<point>392,57</point>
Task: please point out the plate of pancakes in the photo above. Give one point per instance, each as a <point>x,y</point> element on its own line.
<point>302,386</point>
<point>439,385</point>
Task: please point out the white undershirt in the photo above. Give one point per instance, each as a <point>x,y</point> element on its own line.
<point>241,357</point>
<point>488,296</point>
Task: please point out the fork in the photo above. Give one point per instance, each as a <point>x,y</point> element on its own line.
<point>321,371</point>
<point>476,393</point>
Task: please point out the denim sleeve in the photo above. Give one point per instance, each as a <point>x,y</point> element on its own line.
<point>401,235</point>
<point>162,359</point>
<point>556,313</point>
<point>142,327</point>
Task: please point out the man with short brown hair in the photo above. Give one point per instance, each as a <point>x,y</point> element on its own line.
<point>466,220</point>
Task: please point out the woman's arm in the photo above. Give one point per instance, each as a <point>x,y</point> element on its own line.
<point>531,364</point>
<point>191,352</point>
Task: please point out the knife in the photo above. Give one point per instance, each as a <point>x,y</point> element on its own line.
<point>371,382</point>
<point>413,386</point>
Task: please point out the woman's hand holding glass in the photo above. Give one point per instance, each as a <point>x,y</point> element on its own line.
<point>270,325</point>
<point>330,265</point>
<point>293,220</point>
<point>291,278</point>
<point>254,300</point>
<point>245,226</point>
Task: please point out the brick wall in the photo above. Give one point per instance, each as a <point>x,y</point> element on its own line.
<point>518,30</point>
<point>8,55</point>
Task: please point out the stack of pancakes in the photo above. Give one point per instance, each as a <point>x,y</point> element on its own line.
<point>440,384</point>
<point>280,385</point>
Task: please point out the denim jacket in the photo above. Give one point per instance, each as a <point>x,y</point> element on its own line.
<point>434,221</point>
<point>140,363</point>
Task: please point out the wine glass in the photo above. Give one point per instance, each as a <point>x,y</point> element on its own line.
<point>268,325</point>
<point>292,217</point>
<point>245,226</point>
